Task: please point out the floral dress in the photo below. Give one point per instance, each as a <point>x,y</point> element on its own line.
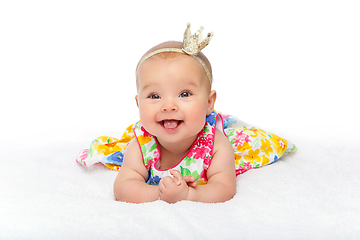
<point>253,148</point>
<point>195,163</point>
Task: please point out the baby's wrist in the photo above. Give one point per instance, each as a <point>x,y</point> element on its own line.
<point>191,196</point>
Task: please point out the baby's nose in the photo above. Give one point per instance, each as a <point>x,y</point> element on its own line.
<point>169,106</point>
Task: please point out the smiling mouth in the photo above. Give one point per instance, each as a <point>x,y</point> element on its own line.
<point>170,124</point>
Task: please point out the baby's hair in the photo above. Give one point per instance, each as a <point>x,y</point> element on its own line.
<point>171,55</point>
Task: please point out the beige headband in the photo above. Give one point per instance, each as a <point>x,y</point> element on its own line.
<point>192,45</point>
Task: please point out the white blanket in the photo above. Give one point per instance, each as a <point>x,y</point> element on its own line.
<point>312,194</point>
<point>67,76</point>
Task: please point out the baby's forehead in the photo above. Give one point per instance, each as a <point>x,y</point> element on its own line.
<point>168,61</point>
<point>170,52</point>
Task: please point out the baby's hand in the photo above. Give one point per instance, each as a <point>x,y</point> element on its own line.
<point>175,189</point>
<point>190,181</point>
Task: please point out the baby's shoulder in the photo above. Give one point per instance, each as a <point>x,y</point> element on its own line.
<point>221,142</point>
<point>223,155</point>
<point>133,155</point>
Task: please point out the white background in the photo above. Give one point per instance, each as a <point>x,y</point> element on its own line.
<point>69,65</point>
<point>67,75</point>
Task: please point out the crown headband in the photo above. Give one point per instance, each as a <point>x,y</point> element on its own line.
<point>192,45</point>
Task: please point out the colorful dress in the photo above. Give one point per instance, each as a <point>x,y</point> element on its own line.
<point>253,148</point>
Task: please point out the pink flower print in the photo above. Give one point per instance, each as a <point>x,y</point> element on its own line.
<point>156,154</point>
<point>203,175</point>
<point>238,172</point>
<point>149,163</point>
<point>241,137</point>
<point>82,156</point>
<point>201,152</point>
<point>146,134</point>
<point>247,166</point>
<point>206,141</point>
<point>191,152</point>
<point>207,161</point>
<point>224,116</point>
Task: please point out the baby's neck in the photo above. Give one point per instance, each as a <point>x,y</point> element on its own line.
<point>172,153</point>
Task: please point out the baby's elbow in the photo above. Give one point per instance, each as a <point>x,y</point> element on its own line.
<point>120,197</point>
<point>229,193</point>
<point>224,194</point>
<point>232,194</point>
<point>118,193</point>
<point>117,196</point>
<point>228,196</point>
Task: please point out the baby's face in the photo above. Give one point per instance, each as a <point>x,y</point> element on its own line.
<point>174,97</point>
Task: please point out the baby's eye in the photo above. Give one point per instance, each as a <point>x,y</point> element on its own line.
<point>154,96</point>
<point>185,94</point>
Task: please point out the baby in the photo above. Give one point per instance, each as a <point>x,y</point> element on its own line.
<point>181,149</point>
<point>174,98</point>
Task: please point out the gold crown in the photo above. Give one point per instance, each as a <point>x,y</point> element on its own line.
<point>193,44</point>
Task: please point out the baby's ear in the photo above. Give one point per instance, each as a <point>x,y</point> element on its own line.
<point>211,102</point>
<point>137,100</point>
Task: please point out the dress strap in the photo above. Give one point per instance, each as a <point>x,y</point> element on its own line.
<point>148,145</point>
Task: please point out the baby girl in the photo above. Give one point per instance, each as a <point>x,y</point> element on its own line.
<point>181,149</point>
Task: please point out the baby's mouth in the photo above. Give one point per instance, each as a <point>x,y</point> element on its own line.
<point>170,123</point>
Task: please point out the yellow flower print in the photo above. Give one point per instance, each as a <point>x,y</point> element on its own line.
<point>128,134</point>
<point>106,139</point>
<point>244,147</point>
<point>280,144</point>
<point>266,147</point>
<point>113,166</point>
<point>201,182</point>
<point>108,148</point>
<point>126,138</point>
<point>265,160</point>
<point>144,140</point>
<point>253,156</point>
<point>129,128</point>
<point>254,132</point>
<point>237,158</point>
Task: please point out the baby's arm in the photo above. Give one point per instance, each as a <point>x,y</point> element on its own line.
<point>221,185</point>
<point>130,185</point>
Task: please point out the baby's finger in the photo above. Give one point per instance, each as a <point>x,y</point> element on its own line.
<point>190,181</point>
<point>192,184</point>
<point>177,177</point>
<point>164,182</point>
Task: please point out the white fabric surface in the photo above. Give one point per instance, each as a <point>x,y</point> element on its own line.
<point>312,194</point>
<point>67,76</point>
